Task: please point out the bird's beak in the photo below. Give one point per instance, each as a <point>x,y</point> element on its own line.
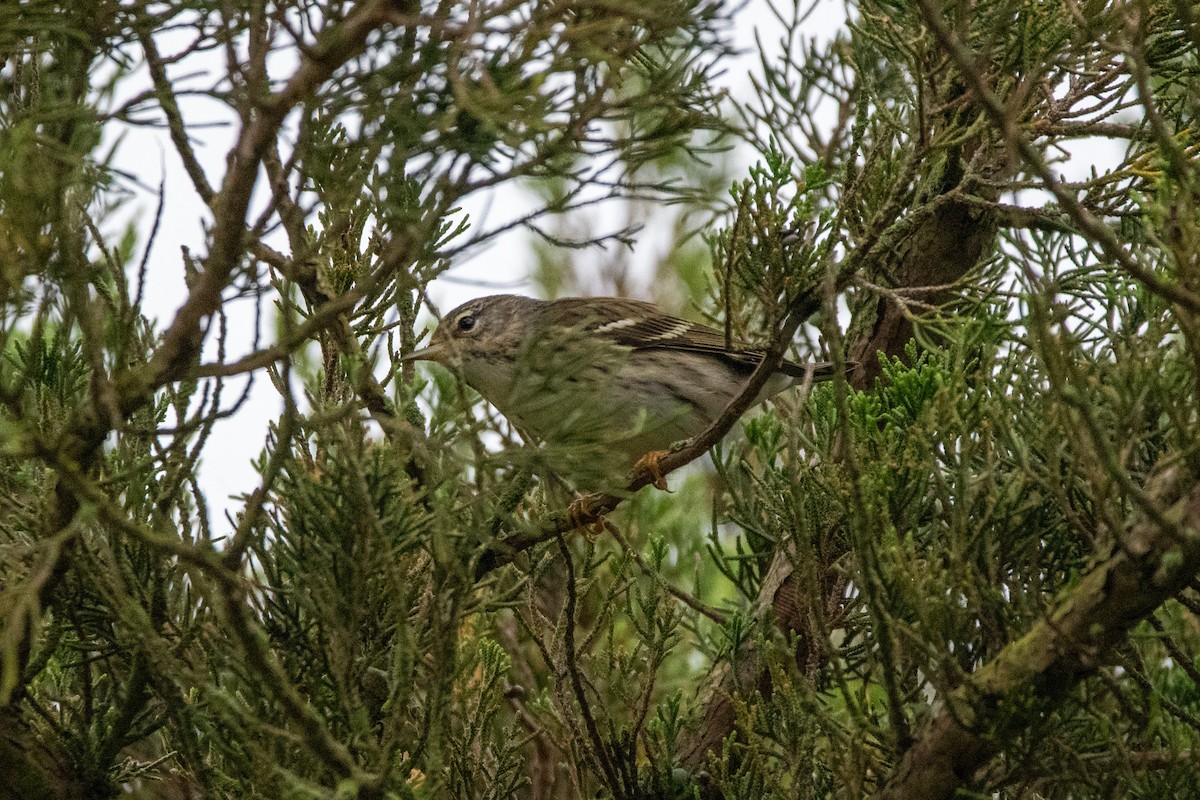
<point>434,352</point>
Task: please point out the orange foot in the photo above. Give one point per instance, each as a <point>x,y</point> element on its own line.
<point>579,514</point>
<point>650,462</point>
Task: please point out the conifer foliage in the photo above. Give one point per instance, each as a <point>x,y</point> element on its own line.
<point>970,566</point>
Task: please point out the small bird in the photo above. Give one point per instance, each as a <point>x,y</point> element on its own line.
<point>620,374</point>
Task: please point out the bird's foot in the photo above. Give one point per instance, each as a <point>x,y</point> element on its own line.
<point>580,514</point>
<point>651,463</point>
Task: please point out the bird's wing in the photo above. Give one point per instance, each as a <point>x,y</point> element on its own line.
<point>640,326</point>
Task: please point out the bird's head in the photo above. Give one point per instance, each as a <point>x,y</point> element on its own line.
<point>486,329</point>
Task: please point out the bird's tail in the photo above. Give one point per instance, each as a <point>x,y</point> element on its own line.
<point>820,370</point>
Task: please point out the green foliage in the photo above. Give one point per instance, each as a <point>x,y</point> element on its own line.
<point>386,611</point>
<point>772,253</point>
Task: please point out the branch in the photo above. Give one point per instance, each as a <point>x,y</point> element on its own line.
<point>232,588</point>
<point>1149,568</point>
<point>1089,225</point>
<point>1085,129</point>
<point>177,128</point>
<point>600,748</point>
<point>182,340</point>
<point>922,255</point>
<point>181,344</point>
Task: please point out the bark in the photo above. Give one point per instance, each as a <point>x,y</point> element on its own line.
<point>32,768</point>
<point>1152,565</point>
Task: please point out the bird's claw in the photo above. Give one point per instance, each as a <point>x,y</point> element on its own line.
<point>651,463</point>
<point>579,515</point>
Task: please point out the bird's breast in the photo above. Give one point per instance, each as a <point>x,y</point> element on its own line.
<point>647,400</point>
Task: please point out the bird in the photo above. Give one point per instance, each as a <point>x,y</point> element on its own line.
<point>619,374</point>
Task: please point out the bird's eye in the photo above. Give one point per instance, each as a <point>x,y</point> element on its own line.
<point>466,323</point>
